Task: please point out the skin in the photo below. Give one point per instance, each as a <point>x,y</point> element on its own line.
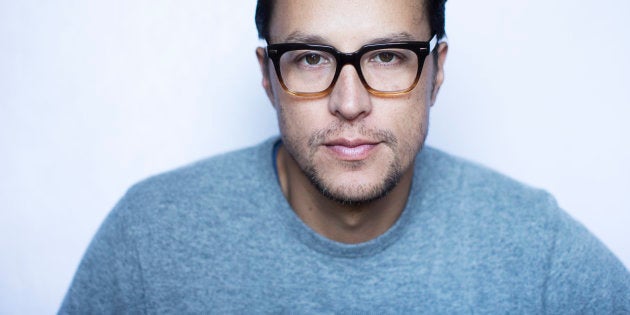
<point>346,163</point>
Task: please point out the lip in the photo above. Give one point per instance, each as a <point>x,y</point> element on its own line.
<point>351,149</point>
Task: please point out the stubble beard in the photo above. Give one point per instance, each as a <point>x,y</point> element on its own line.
<point>363,194</point>
<point>355,195</point>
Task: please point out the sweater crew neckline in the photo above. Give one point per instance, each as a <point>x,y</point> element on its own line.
<point>305,234</point>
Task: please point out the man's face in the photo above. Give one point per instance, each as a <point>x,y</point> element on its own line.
<point>352,145</point>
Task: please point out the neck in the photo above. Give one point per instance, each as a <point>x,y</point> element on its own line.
<point>346,223</point>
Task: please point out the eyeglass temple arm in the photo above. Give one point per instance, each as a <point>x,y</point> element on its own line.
<point>433,43</point>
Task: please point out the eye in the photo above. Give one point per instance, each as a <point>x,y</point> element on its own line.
<point>385,57</point>
<point>307,60</point>
<point>312,59</point>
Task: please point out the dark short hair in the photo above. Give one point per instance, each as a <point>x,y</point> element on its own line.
<point>435,12</point>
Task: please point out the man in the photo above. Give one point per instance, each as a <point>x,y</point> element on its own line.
<point>346,212</point>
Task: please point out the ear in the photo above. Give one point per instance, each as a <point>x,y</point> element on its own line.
<point>439,72</point>
<point>263,62</point>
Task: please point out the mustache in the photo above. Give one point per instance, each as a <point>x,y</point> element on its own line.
<point>380,135</point>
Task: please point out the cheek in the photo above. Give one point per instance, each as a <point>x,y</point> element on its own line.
<point>282,106</point>
<point>409,121</point>
<point>298,119</point>
<point>412,126</point>
<point>410,112</point>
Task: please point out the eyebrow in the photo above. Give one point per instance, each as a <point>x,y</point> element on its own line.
<point>395,37</point>
<point>300,37</point>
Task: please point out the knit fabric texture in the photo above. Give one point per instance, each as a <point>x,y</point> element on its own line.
<point>218,236</point>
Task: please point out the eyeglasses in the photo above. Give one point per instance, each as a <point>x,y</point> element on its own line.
<point>388,69</point>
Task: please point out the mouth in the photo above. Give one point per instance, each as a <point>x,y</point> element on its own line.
<point>351,150</point>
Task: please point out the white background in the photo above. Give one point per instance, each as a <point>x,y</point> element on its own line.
<point>96,95</point>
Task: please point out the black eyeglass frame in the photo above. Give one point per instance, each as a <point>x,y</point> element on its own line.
<point>421,49</point>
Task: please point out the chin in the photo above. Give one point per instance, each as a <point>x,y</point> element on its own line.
<point>354,194</point>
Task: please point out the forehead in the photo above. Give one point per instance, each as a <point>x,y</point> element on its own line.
<point>347,24</point>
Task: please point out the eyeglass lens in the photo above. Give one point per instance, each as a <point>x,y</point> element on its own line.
<point>385,70</point>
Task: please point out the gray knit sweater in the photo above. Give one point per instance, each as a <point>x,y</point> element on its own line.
<point>218,236</point>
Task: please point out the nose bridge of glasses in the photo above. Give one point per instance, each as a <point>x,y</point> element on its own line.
<point>352,59</point>
<point>349,58</point>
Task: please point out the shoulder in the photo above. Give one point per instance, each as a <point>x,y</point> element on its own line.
<point>208,188</point>
<point>516,229</point>
<point>498,216</point>
<point>163,216</point>
<point>230,171</point>
<point>473,185</point>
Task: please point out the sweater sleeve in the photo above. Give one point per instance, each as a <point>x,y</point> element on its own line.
<point>583,276</point>
<point>109,277</point>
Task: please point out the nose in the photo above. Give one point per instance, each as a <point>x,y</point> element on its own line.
<point>349,100</point>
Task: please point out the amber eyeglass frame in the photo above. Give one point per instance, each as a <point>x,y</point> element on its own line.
<point>421,49</point>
